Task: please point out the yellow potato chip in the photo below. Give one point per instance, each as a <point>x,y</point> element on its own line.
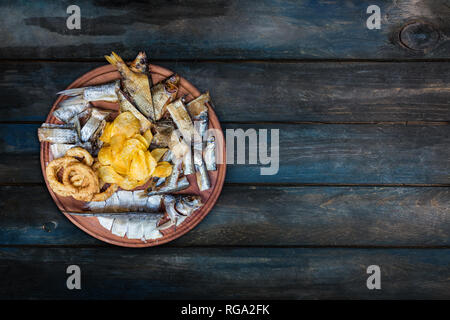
<point>128,184</point>
<point>142,140</point>
<point>108,175</point>
<point>148,136</point>
<point>117,143</point>
<point>127,124</point>
<point>138,167</point>
<point>162,170</point>
<point>158,153</point>
<point>151,163</point>
<point>104,156</point>
<point>106,135</point>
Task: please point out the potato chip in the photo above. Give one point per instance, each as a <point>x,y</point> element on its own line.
<point>104,156</point>
<point>158,153</point>
<point>117,143</point>
<point>108,175</point>
<point>106,135</point>
<point>138,167</point>
<point>128,184</point>
<point>126,124</point>
<point>142,140</point>
<point>151,163</point>
<point>162,170</point>
<point>148,136</point>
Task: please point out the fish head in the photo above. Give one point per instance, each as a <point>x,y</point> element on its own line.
<point>140,64</point>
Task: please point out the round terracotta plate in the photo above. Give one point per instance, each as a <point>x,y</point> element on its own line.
<point>90,224</point>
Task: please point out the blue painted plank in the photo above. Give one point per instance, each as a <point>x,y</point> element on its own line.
<point>343,154</point>
<point>235,29</point>
<point>224,273</point>
<point>263,91</point>
<point>263,216</point>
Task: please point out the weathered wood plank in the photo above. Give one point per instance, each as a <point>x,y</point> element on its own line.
<point>233,273</point>
<point>263,216</point>
<point>325,154</point>
<point>264,91</point>
<point>226,29</point>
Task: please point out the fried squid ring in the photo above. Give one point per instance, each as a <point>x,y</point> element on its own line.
<point>83,154</point>
<point>102,196</point>
<point>89,185</point>
<point>52,176</point>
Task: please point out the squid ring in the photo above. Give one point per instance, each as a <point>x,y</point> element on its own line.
<point>52,176</point>
<point>102,196</point>
<point>89,185</point>
<point>84,155</point>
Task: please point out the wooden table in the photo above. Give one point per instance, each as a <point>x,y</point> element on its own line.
<point>364,148</point>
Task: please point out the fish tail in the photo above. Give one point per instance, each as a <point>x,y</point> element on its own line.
<point>114,59</point>
<point>72,92</point>
<point>73,101</point>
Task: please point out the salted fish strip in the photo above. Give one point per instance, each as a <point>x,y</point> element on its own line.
<point>120,226</point>
<point>92,125</point>
<point>135,228</point>
<point>103,92</point>
<point>55,133</point>
<point>106,222</point>
<point>70,108</point>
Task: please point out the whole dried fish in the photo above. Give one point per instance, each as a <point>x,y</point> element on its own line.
<point>164,93</point>
<point>136,85</point>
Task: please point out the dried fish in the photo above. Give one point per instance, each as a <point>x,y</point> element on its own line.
<point>164,93</point>
<point>70,108</point>
<point>103,92</point>
<point>95,121</point>
<point>172,183</point>
<point>202,177</point>
<point>126,105</point>
<point>136,85</point>
<point>140,63</point>
<point>209,154</point>
<point>57,133</point>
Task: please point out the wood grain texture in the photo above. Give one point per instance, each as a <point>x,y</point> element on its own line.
<point>226,273</point>
<point>235,29</point>
<point>263,216</point>
<point>264,91</point>
<point>324,154</point>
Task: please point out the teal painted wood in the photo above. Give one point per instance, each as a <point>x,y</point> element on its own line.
<point>225,30</point>
<point>324,154</point>
<point>267,91</point>
<point>263,216</point>
<point>224,273</point>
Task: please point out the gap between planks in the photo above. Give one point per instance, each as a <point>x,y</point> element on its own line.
<point>268,60</point>
<point>282,184</point>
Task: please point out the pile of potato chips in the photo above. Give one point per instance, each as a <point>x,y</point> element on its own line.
<point>125,159</point>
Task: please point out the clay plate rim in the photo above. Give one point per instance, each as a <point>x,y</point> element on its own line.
<point>83,222</point>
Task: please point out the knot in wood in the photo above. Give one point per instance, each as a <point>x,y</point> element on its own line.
<point>419,36</point>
